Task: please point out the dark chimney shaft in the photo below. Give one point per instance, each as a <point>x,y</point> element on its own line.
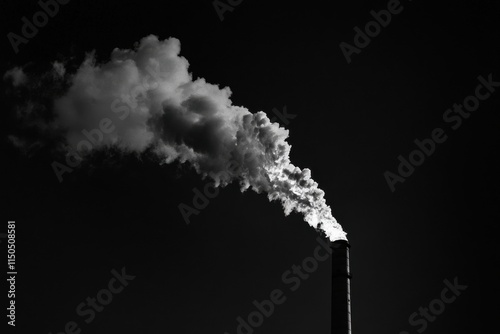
<point>341,288</point>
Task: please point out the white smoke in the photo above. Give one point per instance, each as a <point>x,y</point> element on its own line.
<point>152,102</point>
<point>16,75</point>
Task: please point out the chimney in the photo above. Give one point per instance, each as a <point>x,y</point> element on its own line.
<point>341,288</point>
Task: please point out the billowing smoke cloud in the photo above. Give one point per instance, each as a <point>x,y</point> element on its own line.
<point>145,99</point>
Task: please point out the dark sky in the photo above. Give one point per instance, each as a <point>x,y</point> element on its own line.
<point>353,121</point>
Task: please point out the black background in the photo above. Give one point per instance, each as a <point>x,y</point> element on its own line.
<point>353,120</point>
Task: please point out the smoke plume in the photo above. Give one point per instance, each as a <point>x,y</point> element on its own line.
<point>145,98</point>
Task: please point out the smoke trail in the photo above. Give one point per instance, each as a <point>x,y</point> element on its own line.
<point>145,98</point>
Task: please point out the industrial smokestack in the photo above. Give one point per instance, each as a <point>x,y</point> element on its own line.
<point>341,288</point>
